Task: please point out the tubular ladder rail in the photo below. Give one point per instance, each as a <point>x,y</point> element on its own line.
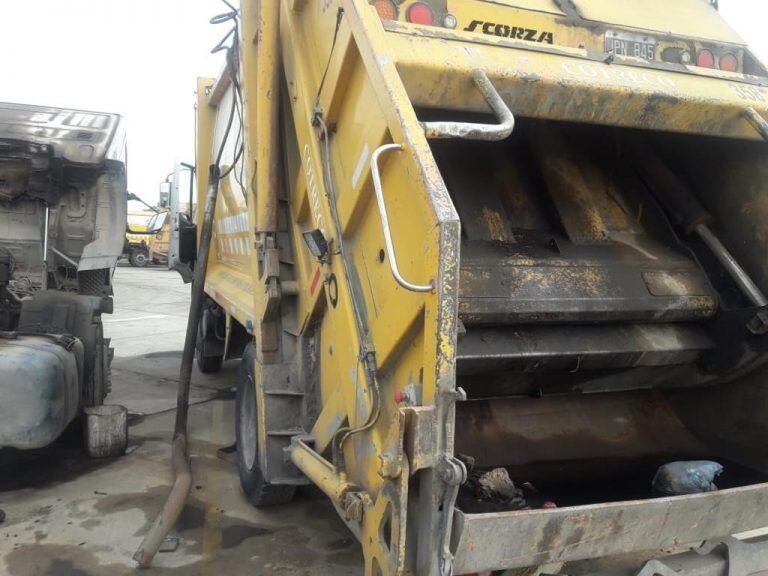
<point>442,130</point>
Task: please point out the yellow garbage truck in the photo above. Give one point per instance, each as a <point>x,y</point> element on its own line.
<point>496,269</point>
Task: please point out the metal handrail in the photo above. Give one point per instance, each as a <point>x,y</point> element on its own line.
<point>474,131</point>
<point>385,222</point>
<point>757,121</point>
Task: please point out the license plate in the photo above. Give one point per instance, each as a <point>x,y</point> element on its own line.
<point>637,45</point>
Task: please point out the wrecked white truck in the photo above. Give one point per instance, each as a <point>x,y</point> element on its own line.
<point>62,226</point>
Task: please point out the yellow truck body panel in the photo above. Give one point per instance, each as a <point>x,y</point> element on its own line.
<point>411,300</point>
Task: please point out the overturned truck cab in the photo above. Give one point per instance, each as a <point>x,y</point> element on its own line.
<point>62,224</point>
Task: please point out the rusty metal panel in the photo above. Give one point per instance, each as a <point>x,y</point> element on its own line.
<point>587,428</point>
<point>586,347</point>
<point>573,85</point>
<point>505,293</point>
<point>421,437</point>
<point>720,557</point>
<point>524,538</point>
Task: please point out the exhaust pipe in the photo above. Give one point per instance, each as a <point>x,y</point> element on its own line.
<point>181,469</point>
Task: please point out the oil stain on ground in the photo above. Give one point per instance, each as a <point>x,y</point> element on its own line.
<point>61,462</point>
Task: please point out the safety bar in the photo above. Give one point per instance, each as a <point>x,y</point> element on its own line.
<point>385,222</point>
<point>757,121</point>
<point>474,131</point>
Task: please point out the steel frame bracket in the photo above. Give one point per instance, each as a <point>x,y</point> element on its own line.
<point>727,556</point>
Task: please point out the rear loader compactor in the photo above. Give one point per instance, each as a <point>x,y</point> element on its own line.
<point>518,237</point>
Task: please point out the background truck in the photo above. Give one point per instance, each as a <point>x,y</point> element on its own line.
<point>62,228</point>
<point>524,238</point>
<point>149,242</point>
<point>136,248</point>
<point>158,236</point>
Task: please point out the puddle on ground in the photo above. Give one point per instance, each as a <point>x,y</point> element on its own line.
<point>305,540</point>
<point>192,519</point>
<point>269,556</point>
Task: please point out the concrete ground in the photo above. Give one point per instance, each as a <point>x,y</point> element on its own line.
<point>69,515</point>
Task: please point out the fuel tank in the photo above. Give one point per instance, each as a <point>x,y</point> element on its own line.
<point>39,387</point>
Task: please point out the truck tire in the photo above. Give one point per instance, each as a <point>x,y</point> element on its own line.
<point>207,363</point>
<point>138,259</point>
<point>260,492</point>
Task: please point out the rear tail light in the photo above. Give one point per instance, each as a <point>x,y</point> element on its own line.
<point>420,13</point>
<point>386,9</point>
<point>705,59</point>
<point>729,63</point>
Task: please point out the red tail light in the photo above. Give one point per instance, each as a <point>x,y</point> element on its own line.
<point>705,59</point>
<point>729,63</point>
<point>386,9</point>
<point>420,13</point>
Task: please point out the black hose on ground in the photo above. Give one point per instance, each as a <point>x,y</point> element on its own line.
<point>182,471</point>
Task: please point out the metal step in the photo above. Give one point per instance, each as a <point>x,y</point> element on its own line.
<point>581,347</point>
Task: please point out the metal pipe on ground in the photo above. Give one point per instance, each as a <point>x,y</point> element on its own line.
<point>181,469</point>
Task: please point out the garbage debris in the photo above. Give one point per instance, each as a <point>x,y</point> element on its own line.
<point>677,478</point>
<point>491,490</point>
<point>497,485</point>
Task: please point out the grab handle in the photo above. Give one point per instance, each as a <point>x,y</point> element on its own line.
<point>385,222</point>
<point>474,131</point>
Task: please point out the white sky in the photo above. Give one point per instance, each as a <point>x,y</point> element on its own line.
<point>140,58</point>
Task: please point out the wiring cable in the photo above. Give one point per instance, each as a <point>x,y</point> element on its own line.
<point>367,356</point>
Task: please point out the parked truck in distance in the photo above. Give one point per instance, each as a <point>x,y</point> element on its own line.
<point>62,228</point>
<point>136,249</point>
<point>150,243</point>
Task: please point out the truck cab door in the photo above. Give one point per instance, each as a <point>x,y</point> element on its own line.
<point>182,231</point>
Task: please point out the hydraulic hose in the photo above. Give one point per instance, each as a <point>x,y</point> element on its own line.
<point>182,471</point>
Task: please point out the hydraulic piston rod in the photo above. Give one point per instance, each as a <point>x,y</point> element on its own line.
<point>688,212</point>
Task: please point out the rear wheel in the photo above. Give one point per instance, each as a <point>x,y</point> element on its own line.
<point>207,360</point>
<point>259,491</point>
<point>138,259</point>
